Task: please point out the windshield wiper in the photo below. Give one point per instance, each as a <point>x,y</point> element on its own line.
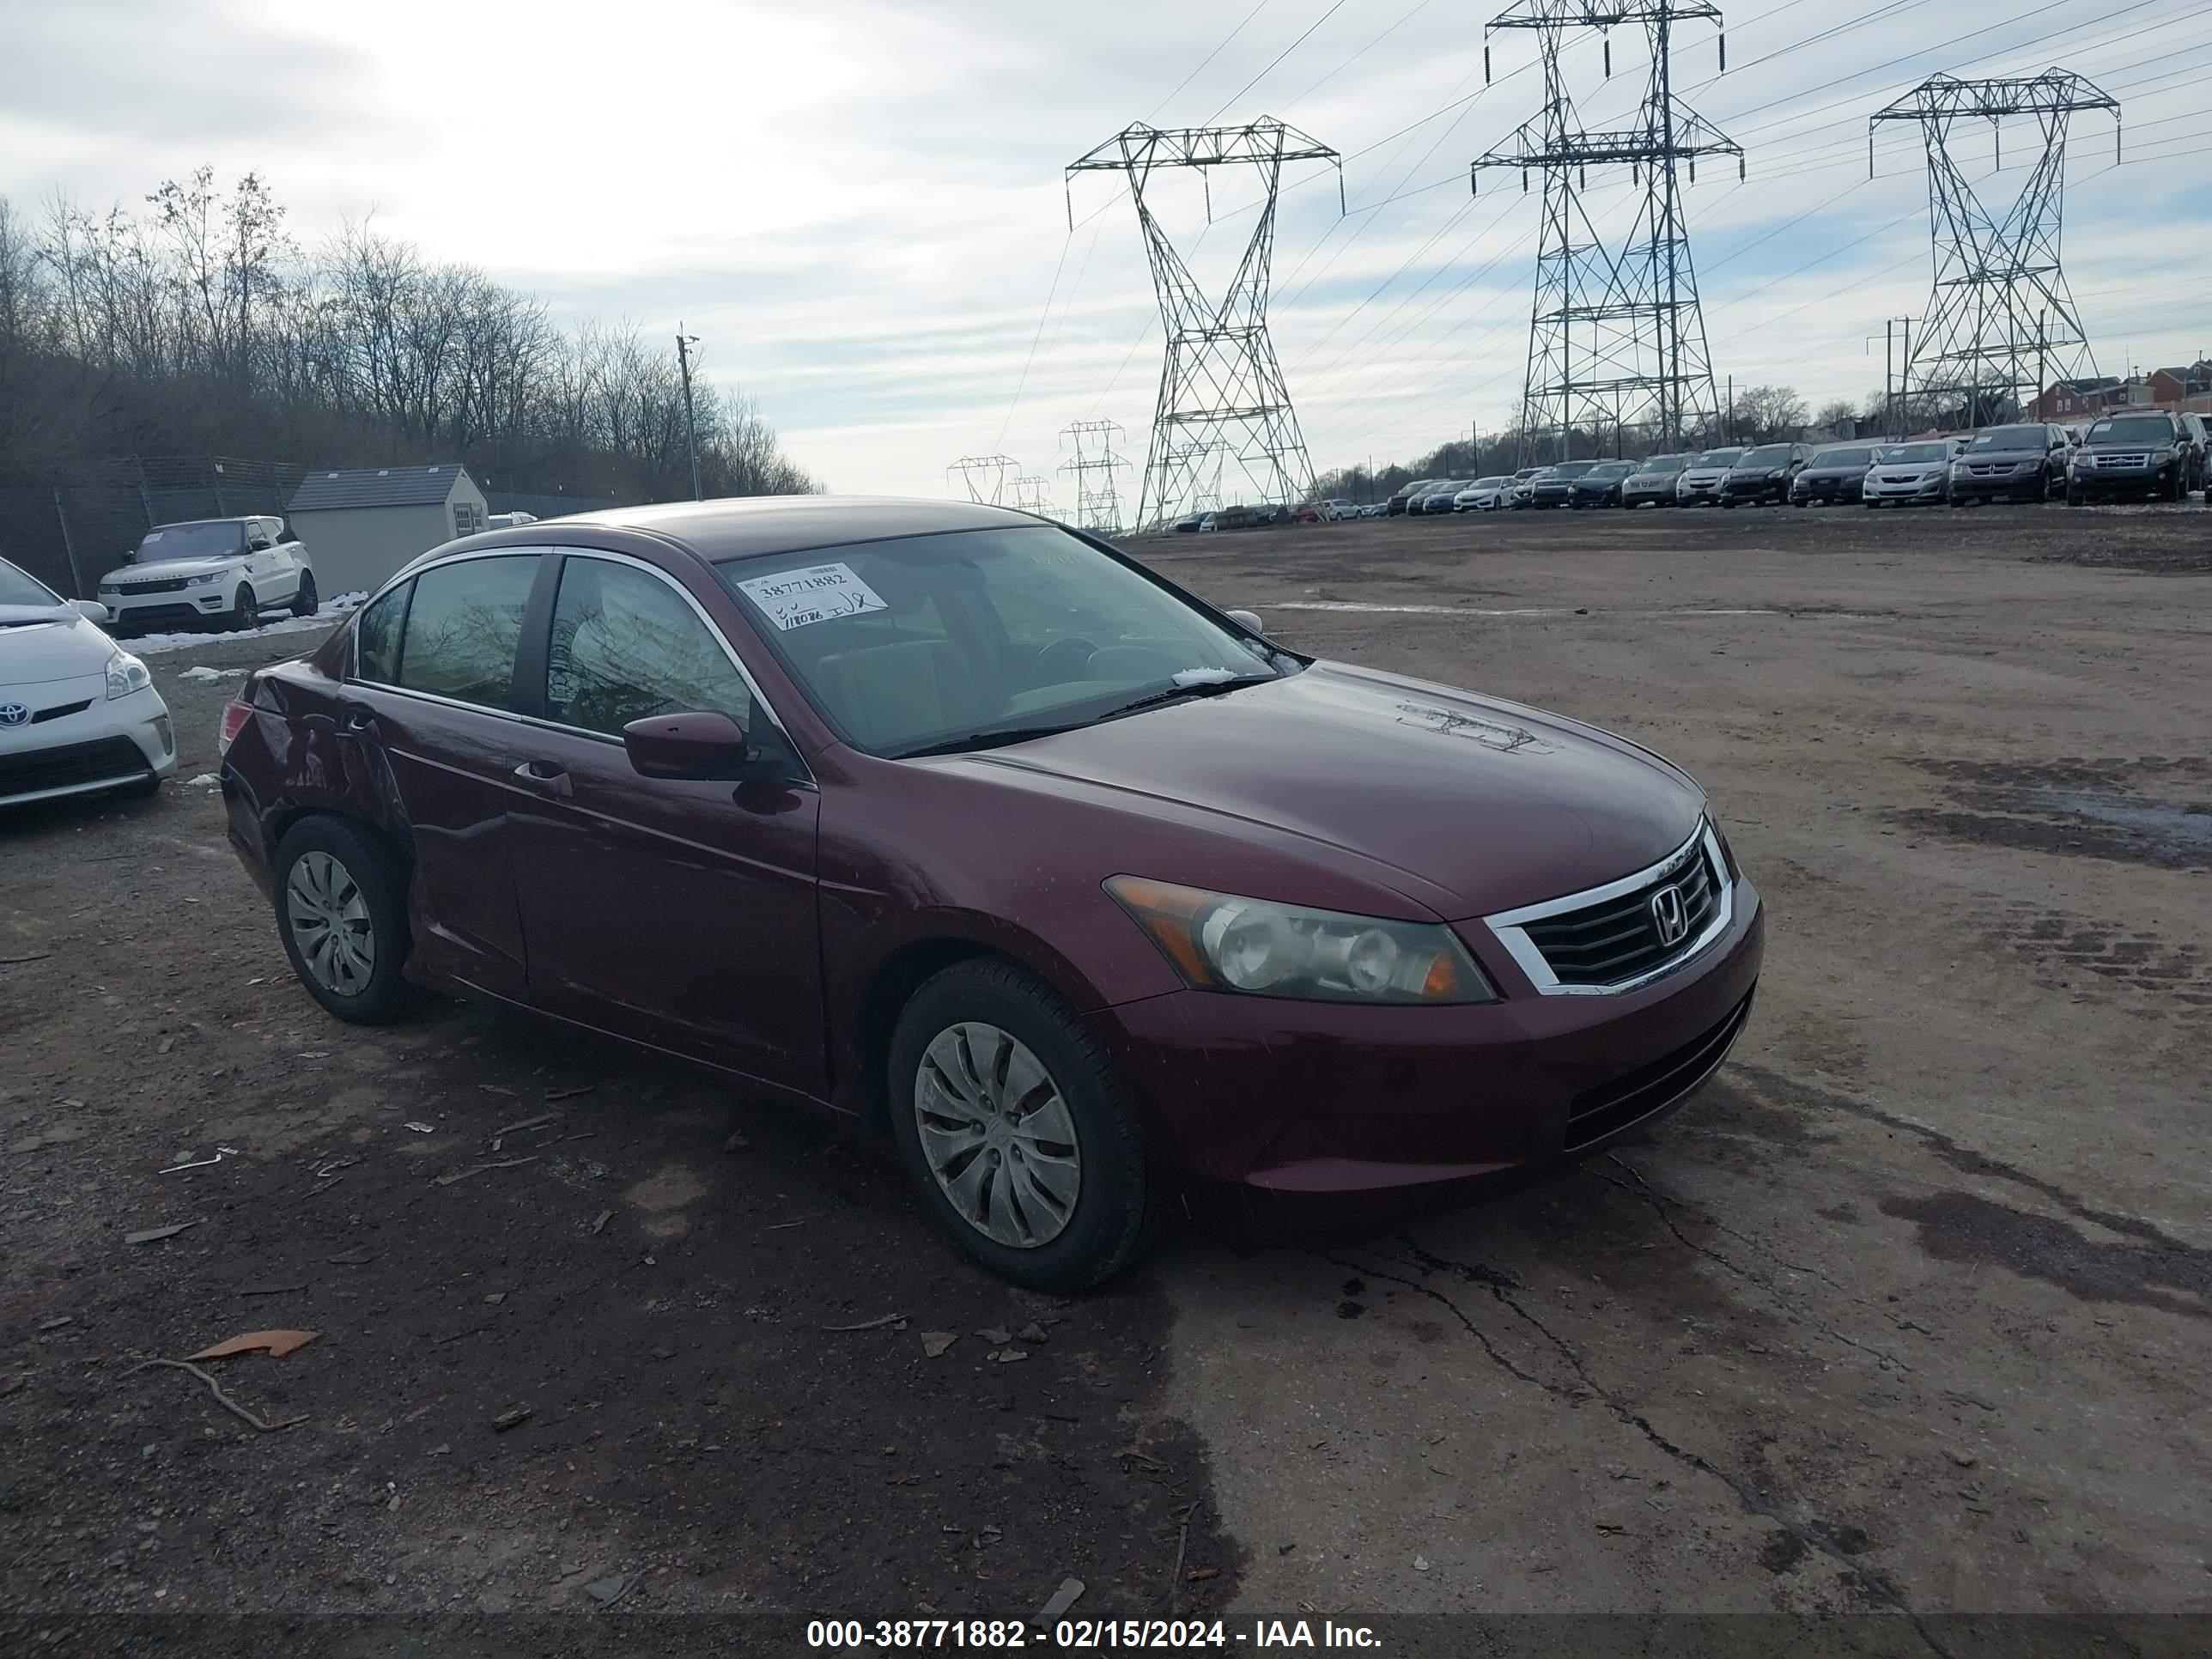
<point>994,736</point>
<point>990,737</point>
<point>1208,688</point>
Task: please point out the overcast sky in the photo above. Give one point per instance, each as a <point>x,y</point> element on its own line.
<point>859,206</point>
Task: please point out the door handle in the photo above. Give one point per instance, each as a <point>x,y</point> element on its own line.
<point>546,778</point>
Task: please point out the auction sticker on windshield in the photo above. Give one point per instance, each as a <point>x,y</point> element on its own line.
<point>816,594</point>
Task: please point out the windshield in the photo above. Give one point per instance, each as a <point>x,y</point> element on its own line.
<point>2135,429</point>
<point>1488,483</point>
<point>1568,469</point>
<point>2010,437</point>
<point>1717,458</point>
<point>1898,453</point>
<point>949,640</point>
<point>213,539</point>
<point>1611,470</point>
<point>1849,455</point>
<point>1663,464</point>
<point>21,588</point>
<point>1766,455</point>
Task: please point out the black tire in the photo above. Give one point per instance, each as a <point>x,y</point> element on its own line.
<point>305,603</point>
<point>1111,1220</point>
<point>2073,496</point>
<point>380,878</point>
<point>244,610</point>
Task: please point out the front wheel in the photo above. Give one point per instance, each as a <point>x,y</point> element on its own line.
<point>342,913</point>
<point>244,610</point>
<point>1015,1129</point>
<point>304,603</point>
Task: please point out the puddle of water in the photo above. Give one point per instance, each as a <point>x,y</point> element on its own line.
<point>1365,609</point>
<point>2192,825</point>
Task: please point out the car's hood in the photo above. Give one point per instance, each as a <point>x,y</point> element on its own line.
<point>1755,472</point>
<point>2113,445</point>
<point>1465,804</point>
<point>42,642</point>
<point>2013,457</point>
<point>1899,469</point>
<point>1831,472</point>
<point>1703,474</point>
<point>163,569</point>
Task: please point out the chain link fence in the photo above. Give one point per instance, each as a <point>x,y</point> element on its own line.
<point>71,530</point>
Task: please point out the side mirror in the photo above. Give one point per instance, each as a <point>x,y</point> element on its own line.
<point>1247,620</point>
<point>90,610</point>
<point>701,747</point>
<point>257,546</point>
<point>130,556</point>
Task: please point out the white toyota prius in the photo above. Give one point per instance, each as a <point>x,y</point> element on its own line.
<point>77,712</point>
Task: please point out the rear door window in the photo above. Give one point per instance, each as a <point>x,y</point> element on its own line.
<point>464,628</point>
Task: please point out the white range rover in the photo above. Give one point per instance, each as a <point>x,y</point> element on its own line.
<point>224,570</point>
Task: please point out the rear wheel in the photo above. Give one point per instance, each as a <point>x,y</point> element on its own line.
<point>1016,1131</point>
<point>342,913</point>
<point>305,603</point>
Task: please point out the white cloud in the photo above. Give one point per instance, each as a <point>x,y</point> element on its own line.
<point>860,207</point>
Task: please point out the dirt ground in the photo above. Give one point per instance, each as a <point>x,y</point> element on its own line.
<point>1905,1314</point>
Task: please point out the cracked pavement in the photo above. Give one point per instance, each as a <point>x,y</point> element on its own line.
<point>1907,1312</point>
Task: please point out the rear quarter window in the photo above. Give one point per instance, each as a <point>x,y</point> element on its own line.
<point>376,636</point>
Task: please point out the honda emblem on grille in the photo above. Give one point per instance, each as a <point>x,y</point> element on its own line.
<point>1668,917</point>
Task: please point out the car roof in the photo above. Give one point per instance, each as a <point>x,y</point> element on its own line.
<point>755,525</point>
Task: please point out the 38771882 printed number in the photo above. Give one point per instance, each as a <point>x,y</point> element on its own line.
<point>1070,1635</point>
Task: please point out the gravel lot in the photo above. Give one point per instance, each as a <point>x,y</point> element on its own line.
<point>1905,1314</point>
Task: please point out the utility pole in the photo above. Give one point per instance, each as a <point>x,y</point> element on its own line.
<point>1616,332</point>
<point>1222,390</point>
<point>683,344</point>
<point>1994,269</point>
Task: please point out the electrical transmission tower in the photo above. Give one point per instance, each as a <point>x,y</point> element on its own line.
<point>985,477</point>
<point>1220,381</point>
<point>1616,337</point>
<point>1097,492</point>
<point>1029,495</point>
<point>1999,319</point>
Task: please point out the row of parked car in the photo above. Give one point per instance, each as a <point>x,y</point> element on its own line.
<point>2134,454</point>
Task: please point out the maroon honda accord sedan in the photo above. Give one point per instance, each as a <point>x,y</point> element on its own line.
<point>1098,898</point>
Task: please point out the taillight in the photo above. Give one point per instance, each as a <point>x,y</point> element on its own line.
<point>235,717</point>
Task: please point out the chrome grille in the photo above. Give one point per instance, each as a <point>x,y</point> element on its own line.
<point>2119,463</point>
<point>162,585</point>
<point>1612,938</point>
<point>1619,938</point>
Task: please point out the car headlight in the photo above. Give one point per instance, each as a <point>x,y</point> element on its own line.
<point>1219,942</point>
<point>211,577</point>
<point>110,591</point>
<point>126,674</point>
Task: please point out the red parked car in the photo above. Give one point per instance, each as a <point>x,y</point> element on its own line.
<point>1097,897</point>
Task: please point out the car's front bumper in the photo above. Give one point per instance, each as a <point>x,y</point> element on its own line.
<point>107,743</point>
<point>2122,480</point>
<point>1650,494</point>
<point>1755,492</point>
<point>1806,490</point>
<point>1926,489</point>
<point>1333,1115</point>
<point>2029,486</point>
<point>180,608</point>
<point>1704,492</point>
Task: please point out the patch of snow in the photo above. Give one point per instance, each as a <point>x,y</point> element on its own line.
<point>204,777</point>
<point>1205,676</point>
<point>201,672</point>
<point>333,611</point>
